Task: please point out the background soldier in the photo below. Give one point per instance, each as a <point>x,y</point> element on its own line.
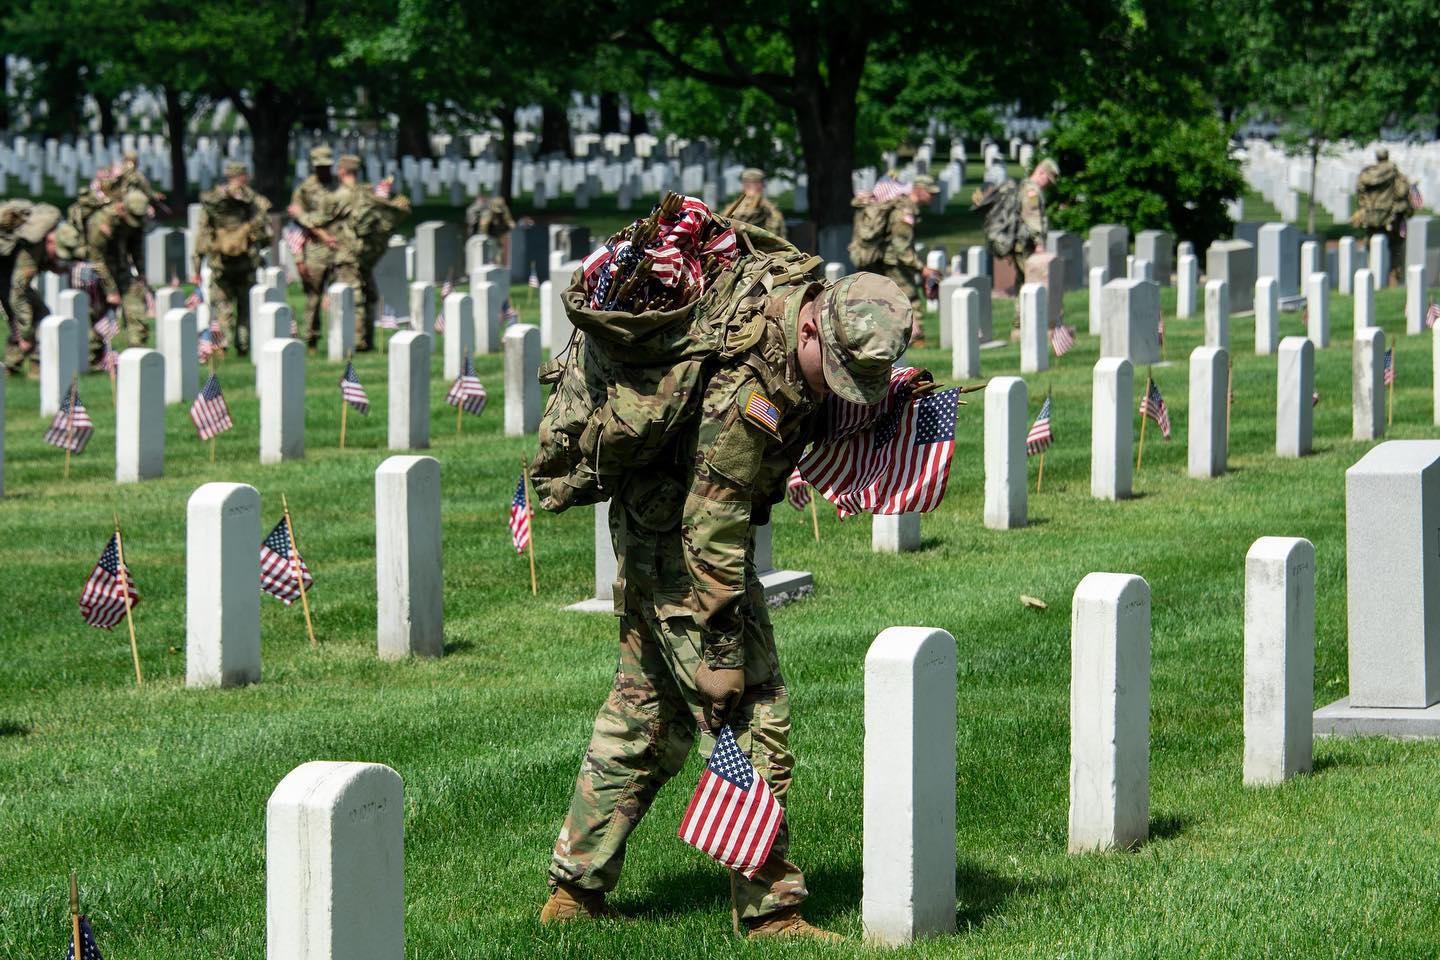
<point>752,206</point>
<point>901,263</point>
<point>316,258</point>
<point>112,234</point>
<point>696,645</point>
<point>377,213</point>
<point>491,218</point>
<point>29,243</point>
<point>1032,211</point>
<point>234,227</point>
<point>1384,201</point>
<point>130,178</point>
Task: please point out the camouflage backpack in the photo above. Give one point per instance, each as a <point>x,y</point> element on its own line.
<point>869,232</point>
<point>13,216</point>
<point>629,382</point>
<point>1382,194</point>
<point>1001,204</point>
<point>87,204</point>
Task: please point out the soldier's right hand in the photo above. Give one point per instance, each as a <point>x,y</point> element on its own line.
<point>113,299</point>
<point>720,688</point>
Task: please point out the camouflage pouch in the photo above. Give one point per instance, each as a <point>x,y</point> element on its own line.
<point>1003,225</point>
<point>868,232</point>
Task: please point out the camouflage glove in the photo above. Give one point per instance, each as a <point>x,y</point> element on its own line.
<point>720,689</point>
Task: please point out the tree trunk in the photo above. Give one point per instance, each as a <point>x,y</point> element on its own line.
<point>4,97</point>
<point>638,123</point>
<point>175,119</point>
<point>507,152</point>
<point>270,118</point>
<point>825,119</point>
<point>609,112</point>
<point>412,135</point>
<point>107,116</point>
<point>555,130</point>
<point>1314,163</point>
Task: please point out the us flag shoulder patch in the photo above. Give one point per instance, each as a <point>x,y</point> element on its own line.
<point>760,411</point>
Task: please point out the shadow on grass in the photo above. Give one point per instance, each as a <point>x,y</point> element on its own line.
<point>14,728</point>
<point>1168,825</point>
<point>982,893</point>
<point>459,646</point>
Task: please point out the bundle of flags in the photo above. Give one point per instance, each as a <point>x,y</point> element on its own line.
<point>1389,367</point>
<point>281,569</point>
<point>209,412</point>
<point>1040,435</point>
<point>1062,338</point>
<point>352,392</point>
<point>520,517</point>
<point>732,816</point>
<point>384,187</point>
<point>677,254</point>
<point>71,428</point>
<point>467,392</point>
<point>1152,405</point>
<point>103,598</point>
<point>892,457</point>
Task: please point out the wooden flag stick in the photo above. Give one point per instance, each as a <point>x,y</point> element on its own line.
<point>69,429</point>
<point>125,593</point>
<point>1229,397</point>
<point>814,513</point>
<point>1140,454</point>
<point>75,915</point>
<point>213,435</point>
<point>1040,479</point>
<point>344,412</point>
<point>1390,393</point>
<point>299,574</point>
<point>529,516</point>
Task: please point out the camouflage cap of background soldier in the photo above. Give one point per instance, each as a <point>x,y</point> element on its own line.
<point>321,156</point>
<point>1049,166</point>
<point>348,163</point>
<point>68,243</point>
<point>864,328</point>
<point>925,182</point>
<point>236,169</point>
<point>752,175</point>
<point>130,156</point>
<point>136,207</point>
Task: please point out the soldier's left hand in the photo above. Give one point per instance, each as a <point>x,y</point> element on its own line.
<point>720,688</point>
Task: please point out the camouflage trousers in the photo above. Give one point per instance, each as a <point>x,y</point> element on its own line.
<point>22,346</point>
<point>132,313</point>
<point>367,300</point>
<point>652,715</point>
<point>229,298</point>
<point>906,280</point>
<point>315,274</point>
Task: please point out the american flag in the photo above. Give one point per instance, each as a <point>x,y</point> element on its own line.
<point>1152,405</point>
<point>351,390</point>
<point>388,320</point>
<point>1160,330</point>
<point>887,189</point>
<point>88,949</point>
<point>294,236</point>
<point>383,188</point>
<point>797,491</point>
<point>70,430</point>
<point>1315,398</point>
<point>1062,338</point>
<point>109,359</point>
<point>205,345</point>
<point>893,457</point>
<point>83,275</point>
<point>508,314</point>
<point>467,391</point>
<point>277,571</point>
<point>102,601</point>
<point>209,412</point>
<point>1040,434</point>
<point>149,302</point>
<point>195,299</point>
<point>1416,200</point>
<point>1389,367</point>
<point>520,517</point>
<point>534,280</point>
<point>446,289</point>
<point>733,816</point>
<point>1432,315</point>
<point>107,326</point>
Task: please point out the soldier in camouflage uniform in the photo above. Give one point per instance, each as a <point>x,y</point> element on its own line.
<point>130,178</point>
<point>491,217</point>
<point>316,258</point>
<point>361,222</point>
<point>112,234</point>
<point>1384,205</point>
<point>1032,211</point>
<point>234,228</point>
<point>696,644</point>
<point>900,263</point>
<point>30,241</point>
<point>752,206</point>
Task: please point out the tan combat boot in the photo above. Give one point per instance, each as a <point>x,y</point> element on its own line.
<point>568,903</point>
<point>788,924</point>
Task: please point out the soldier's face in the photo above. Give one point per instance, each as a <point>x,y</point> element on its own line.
<point>752,189</point>
<point>809,354</point>
<point>50,246</point>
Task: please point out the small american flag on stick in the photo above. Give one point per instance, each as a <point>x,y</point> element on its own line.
<point>88,948</point>
<point>209,412</point>
<point>733,816</point>
<point>1040,435</point>
<point>534,280</point>
<point>72,426</point>
<point>352,391</point>
<point>280,575</point>
<point>1152,405</point>
<point>1432,315</point>
<point>797,491</point>
<point>1389,367</point>
<point>102,600</point>
<point>467,392</point>
<point>1062,338</point>
<point>294,235</point>
<point>508,314</point>
<point>520,517</point>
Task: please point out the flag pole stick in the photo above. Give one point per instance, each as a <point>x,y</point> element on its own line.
<point>75,915</point>
<point>529,516</point>
<point>1390,394</point>
<point>125,592</point>
<point>814,514</point>
<point>299,575</point>
<point>460,407</point>
<point>1140,454</point>
<point>1229,397</point>
<point>344,408</point>
<point>69,429</point>
<point>213,435</point>
<point>1041,478</point>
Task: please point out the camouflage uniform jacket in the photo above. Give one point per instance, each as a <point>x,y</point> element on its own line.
<point>495,219</point>
<point>1032,216</point>
<point>758,210</point>
<point>106,236</point>
<point>132,179</point>
<point>725,474</point>
<point>224,209</point>
<point>310,198</point>
<point>900,246</point>
<point>376,219</point>
<point>339,216</point>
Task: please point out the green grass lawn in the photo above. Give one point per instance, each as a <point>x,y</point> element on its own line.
<point>157,795</point>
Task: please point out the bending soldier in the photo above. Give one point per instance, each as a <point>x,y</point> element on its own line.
<point>234,228</point>
<point>754,207</point>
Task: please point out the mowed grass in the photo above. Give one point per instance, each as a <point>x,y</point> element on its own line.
<point>157,795</point>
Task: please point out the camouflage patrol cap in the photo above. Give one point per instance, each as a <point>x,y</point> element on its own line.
<point>130,156</point>
<point>752,175</point>
<point>348,163</point>
<point>1049,166</point>
<point>864,327</point>
<point>137,205</point>
<point>925,182</point>
<point>236,169</point>
<point>67,242</point>
<point>321,156</point>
